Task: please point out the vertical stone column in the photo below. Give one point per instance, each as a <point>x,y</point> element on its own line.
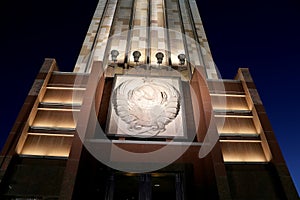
<point>70,174</point>
<point>139,34</point>
<point>104,31</point>
<point>208,135</point>
<point>268,138</point>
<point>90,38</point>
<point>158,37</point>
<point>120,29</point>
<point>82,129</point>
<point>31,101</point>
<point>176,31</point>
<point>210,66</point>
<point>195,57</point>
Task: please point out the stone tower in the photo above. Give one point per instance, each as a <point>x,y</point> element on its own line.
<point>144,115</point>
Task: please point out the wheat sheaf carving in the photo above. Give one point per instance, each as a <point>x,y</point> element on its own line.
<point>146,105</point>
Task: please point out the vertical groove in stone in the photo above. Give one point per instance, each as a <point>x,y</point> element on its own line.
<point>119,31</point>
<point>133,6</point>
<point>104,31</point>
<point>91,38</point>
<point>201,38</point>
<point>138,35</point>
<point>157,33</point>
<point>194,54</point>
<point>169,61</point>
<point>176,41</point>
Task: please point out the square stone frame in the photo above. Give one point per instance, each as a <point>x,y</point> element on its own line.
<point>176,129</point>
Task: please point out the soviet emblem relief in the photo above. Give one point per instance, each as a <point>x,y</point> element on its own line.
<point>146,105</point>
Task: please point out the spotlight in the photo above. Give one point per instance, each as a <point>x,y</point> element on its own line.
<point>114,55</point>
<point>136,56</point>
<point>181,58</point>
<point>159,56</point>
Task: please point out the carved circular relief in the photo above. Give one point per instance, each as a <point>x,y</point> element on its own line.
<point>146,105</point>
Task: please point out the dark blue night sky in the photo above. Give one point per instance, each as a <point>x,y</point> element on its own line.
<point>263,35</point>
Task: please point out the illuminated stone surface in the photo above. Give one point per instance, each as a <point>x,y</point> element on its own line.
<point>145,106</point>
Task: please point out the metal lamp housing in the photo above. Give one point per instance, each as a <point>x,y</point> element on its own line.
<point>159,56</point>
